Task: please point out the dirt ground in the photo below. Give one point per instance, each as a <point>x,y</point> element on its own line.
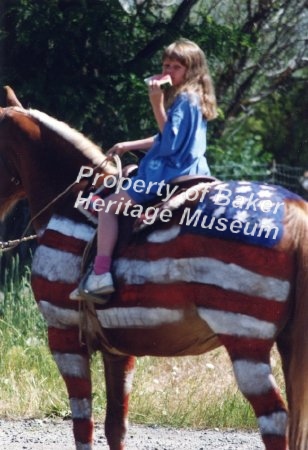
<point>57,435</point>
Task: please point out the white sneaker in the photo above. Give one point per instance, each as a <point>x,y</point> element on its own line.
<point>99,284</point>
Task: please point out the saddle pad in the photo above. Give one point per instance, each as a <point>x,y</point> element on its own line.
<point>238,210</point>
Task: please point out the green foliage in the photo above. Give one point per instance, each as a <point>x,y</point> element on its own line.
<point>19,314</point>
<point>80,61</point>
<point>285,123</point>
<point>84,61</point>
<point>239,152</point>
<point>30,383</point>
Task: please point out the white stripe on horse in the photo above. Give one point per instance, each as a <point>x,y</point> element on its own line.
<point>70,228</point>
<point>81,408</point>
<point>253,378</point>
<point>161,236</point>
<point>237,324</point>
<point>202,270</point>
<point>128,381</point>
<point>56,265</point>
<point>59,317</point>
<point>81,446</point>
<point>138,317</point>
<point>275,423</point>
<point>72,364</point>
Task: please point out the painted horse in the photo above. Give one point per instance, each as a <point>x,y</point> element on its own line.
<point>230,268</point>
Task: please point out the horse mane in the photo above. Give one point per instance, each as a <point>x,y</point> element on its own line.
<point>90,150</point>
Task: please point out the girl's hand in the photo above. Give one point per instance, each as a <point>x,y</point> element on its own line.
<point>118,149</point>
<point>156,94</point>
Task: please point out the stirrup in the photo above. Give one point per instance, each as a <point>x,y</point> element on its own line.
<point>87,295</point>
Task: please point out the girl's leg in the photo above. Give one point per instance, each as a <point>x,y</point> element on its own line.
<point>107,234</point>
<point>100,280</point>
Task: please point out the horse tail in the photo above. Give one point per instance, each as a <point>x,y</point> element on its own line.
<point>297,372</point>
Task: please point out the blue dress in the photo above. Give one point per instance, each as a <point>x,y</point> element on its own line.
<point>178,150</point>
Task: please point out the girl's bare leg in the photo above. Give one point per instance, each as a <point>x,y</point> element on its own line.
<point>107,232</point>
<point>99,281</point>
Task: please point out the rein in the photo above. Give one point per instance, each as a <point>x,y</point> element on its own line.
<point>5,246</point>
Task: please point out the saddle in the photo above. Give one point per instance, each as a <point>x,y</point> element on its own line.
<point>177,186</point>
<point>183,181</point>
<point>130,225</point>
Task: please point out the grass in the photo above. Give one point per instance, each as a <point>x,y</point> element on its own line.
<point>194,392</point>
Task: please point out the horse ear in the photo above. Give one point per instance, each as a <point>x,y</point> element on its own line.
<point>11,99</point>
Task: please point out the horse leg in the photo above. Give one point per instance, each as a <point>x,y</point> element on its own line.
<point>119,372</point>
<point>251,365</point>
<point>73,362</point>
<point>56,271</point>
<point>293,348</point>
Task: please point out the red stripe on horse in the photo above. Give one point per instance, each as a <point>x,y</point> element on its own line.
<point>68,243</point>
<point>256,259</point>
<point>180,295</point>
<point>78,387</point>
<point>66,340</point>
<point>247,348</point>
<point>54,292</point>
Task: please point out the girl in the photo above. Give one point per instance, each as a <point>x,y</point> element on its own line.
<point>181,112</point>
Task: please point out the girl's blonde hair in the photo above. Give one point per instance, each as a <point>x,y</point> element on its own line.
<point>197,78</point>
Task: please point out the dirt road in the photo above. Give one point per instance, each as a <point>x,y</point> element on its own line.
<point>57,435</point>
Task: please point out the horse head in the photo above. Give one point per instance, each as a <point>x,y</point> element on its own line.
<point>11,190</point>
<point>39,157</point>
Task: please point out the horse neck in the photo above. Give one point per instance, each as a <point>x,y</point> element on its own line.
<point>47,165</point>
<point>48,189</point>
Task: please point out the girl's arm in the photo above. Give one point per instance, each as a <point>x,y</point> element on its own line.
<point>122,147</point>
<point>156,95</point>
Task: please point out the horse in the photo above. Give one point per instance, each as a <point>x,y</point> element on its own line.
<point>228,267</point>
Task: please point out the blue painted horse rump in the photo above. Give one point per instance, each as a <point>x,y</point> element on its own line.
<point>249,212</point>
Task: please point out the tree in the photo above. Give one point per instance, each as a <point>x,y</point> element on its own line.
<point>85,60</point>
